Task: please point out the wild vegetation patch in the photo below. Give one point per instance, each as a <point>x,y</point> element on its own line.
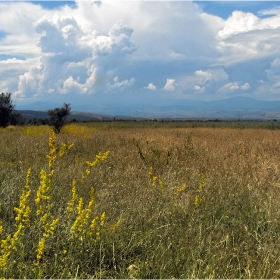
<point>123,202</point>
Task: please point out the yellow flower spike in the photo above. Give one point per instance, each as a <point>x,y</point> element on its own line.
<point>49,229</point>
<point>40,249</point>
<point>91,164</point>
<point>92,226</point>
<point>150,173</point>
<point>70,146</point>
<point>53,225</point>
<point>62,149</point>
<point>27,181</point>
<point>82,227</point>
<point>154,182</point>
<point>80,206</point>
<point>102,219</point>
<point>196,201</point>
<point>44,218</point>
<point>161,184</point>
<point>51,173</point>
<point>198,198</point>
<point>181,189</point>
<point>52,143</point>
<point>87,171</point>
<point>81,222</point>
<point>4,260</point>
<point>71,204</point>
<point>92,198</point>
<point>43,190</point>
<point>11,242</point>
<point>23,211</point>
<point>99,157</point>
<point>90,204</point>
<point>1,227</point>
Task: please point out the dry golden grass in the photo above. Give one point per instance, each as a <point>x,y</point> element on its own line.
<point>212,212</point>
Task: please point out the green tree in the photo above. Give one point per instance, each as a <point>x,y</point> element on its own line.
<point>17,118</point>
<point>58,116</point>
<point>6,109</point>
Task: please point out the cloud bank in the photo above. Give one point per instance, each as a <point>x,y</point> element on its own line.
<point>111,50</point>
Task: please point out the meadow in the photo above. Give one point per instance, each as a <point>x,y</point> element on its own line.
<point>140,200</point>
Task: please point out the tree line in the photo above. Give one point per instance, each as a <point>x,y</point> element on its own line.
<point>9,116</point>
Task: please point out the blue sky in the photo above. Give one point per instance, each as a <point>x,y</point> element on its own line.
<point>123,53</point>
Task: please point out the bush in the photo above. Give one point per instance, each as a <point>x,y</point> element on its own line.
<point>58,116</point>
<point>17,118</point>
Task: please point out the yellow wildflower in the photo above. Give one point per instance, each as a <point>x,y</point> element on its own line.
<point>52,143</point>
<point>150,173</point>
<point>199,198</point>
<point>70,205</point>
<point>62,149</point>
<point>40,249</point>
<point>181,189</point>
<point>23,211</point>
<point>92,227</point>
<point>99,157</point>
<point>42,192</point>
<point>154,182</point>
<point>102,219</point>
<point>91,201</point>
<point>50,228</point>
<point>80,222</point>
<point>70,146</point>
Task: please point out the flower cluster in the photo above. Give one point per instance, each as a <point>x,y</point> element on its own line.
<point>11,242</point>
<point>155,181</point>
<point>98,158</point>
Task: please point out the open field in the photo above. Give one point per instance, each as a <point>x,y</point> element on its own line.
<point>161,200</point>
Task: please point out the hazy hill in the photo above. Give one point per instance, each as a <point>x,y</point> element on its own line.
<point>231,108</point>
<point>30,114</point>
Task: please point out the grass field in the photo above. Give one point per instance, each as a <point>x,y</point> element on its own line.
<point>140,200</point>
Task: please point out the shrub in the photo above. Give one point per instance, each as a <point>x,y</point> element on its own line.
<point>58,116</point>
<point>17,118</point>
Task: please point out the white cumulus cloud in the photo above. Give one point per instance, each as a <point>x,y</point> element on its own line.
<point>120,85</point>
<point>204,74</point>
<point>151,86</point>
<point>230,87</point>
<point>247,36</point>
<point>170,85</point>
<point>246,86</point>
<point>73,60</point>
<point>199,88</point>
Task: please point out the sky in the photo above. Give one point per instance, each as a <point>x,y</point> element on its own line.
<point>130,53</point>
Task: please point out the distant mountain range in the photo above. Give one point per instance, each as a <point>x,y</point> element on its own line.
<point>243,108</point>
<point>79,116</point>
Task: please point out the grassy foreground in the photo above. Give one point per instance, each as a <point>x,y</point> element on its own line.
<point>149,202</point>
